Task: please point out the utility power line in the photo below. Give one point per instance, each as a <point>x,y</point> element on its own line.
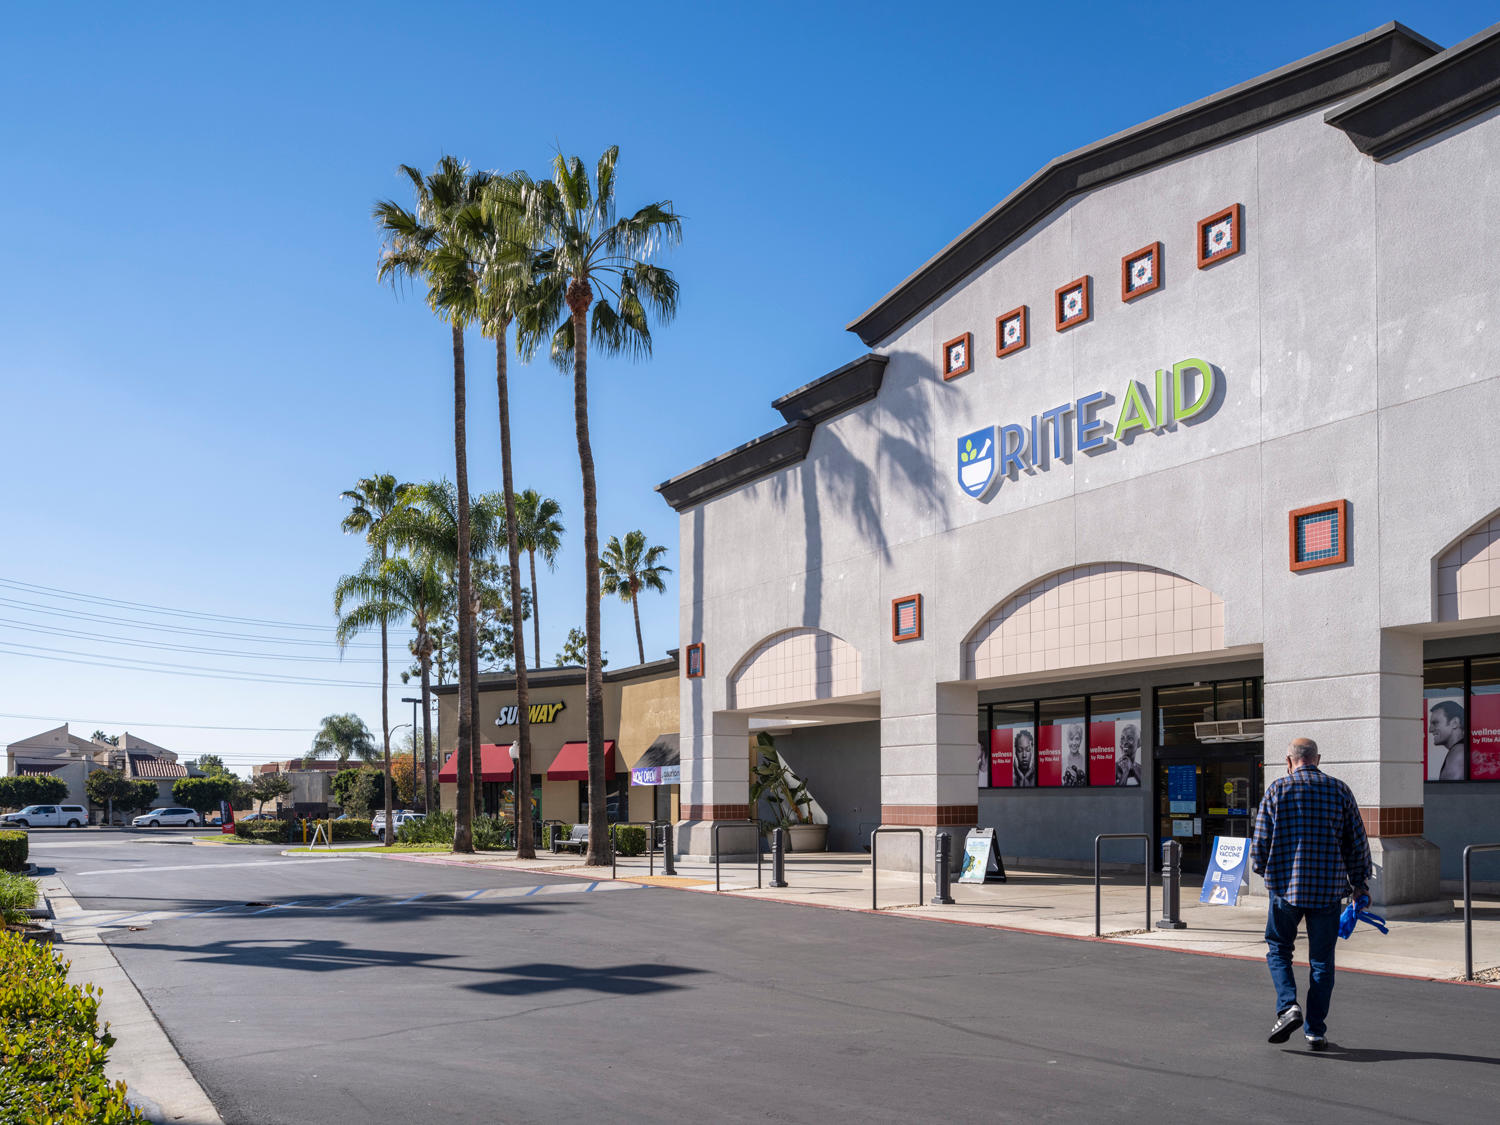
<point>74,595</point>
<point>69,656</point>
<point>124,725</point>
<point>27,626</point>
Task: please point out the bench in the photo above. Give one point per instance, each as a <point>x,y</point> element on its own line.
<point>577,839</point>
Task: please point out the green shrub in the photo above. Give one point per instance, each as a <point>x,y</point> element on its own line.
<point>436,829</point>
<point>630,839</point>
<point>17,896</point>
<point>274,830</point>
<point>352,829</point>
<point>14,848</point>
<point>52,1049</point>
<point>563,832</point>
<point>493,833</point>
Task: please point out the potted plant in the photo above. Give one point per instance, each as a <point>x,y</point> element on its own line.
<point>790,802</point>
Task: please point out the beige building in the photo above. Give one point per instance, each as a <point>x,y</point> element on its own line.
<point>64,755</point>
<point>640,729</point>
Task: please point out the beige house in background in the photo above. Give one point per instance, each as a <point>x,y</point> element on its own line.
<point>64,755</point>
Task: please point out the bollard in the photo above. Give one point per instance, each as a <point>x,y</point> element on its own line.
<point>778,858</point>
<point>943,842</point>
<point>1171,887</point>
<point>667,866</point>
<point>556,843</point>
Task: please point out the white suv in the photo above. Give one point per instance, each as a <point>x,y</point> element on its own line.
<point>48,816</point>
<point>157,817</point>
<point>400,816</point>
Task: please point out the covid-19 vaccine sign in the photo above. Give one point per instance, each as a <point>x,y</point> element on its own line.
<point>1226,871</point>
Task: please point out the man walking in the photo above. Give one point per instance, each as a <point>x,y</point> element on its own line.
<point>1311,848</point>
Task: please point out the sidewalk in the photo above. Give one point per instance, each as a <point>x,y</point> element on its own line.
<point>1059,903</point>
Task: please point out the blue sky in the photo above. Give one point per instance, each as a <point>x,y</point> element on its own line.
<point>196,358</point>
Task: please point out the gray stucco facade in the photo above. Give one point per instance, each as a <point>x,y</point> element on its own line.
<point>1341,355</point>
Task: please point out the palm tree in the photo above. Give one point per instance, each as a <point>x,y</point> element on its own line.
<point>413,239</point>
<point>343,737</point>
<point>539,530</point>
<point>371,500</point>
<point>631,568</point>
<point>581,245</point>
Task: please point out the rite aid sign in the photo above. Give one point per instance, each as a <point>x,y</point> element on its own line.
<point>1187,391</point>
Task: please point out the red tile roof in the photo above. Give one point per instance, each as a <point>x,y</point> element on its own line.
<point>142,765</point>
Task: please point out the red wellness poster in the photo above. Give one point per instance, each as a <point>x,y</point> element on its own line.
<point>1484,737</point>
<point>1001,757</point>
<point>1102,753</point>
<point>1049,755</point>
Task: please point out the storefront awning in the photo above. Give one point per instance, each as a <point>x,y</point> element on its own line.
<point>494,764</point>
<point>572,762</point>
<point>661,764</point>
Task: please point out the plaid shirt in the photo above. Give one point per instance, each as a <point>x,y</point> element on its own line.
<point>1309,840</point>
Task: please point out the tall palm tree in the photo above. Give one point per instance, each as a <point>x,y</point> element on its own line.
<point>583,246</point>
<point>630,568</point>
<point>413,239</point>
<point>371,500</point>
<point>539,529</point>
<point>343,737</point>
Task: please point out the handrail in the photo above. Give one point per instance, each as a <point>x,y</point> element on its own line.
<point>1146,863</point>
<point>1469,908</point>
<point>614,844</point>
<point>755,824</point>
<point>875,867</point>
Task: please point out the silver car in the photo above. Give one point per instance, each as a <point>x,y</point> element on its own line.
<point>170,817</point>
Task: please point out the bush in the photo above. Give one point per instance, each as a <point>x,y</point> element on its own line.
<point>630,839</point>
<point>14,848</point>
<point>436,829</point>
<point>352,829</point>
<point>493,833</point>
<point>563,832</point>
<point>276,831</point>
<point>52,1051</point>
<point>17,896</point>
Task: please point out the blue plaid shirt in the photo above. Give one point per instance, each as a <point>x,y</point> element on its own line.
<point>1309,840</point>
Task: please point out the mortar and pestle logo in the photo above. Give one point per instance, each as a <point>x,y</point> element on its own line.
<point>976,461</point>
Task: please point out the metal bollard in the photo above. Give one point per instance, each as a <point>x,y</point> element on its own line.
<point>940,876</point>
<point>778,858</point>
<point>1171,887</point>
<point>667,865</point>
<point>556,843</point>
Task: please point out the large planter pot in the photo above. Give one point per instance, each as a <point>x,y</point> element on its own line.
<point>807,837</point>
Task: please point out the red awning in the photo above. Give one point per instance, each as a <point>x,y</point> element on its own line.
<point>572,762</point>
<point>494,764</point>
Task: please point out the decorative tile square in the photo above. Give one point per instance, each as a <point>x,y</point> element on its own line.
<point>1072,303</point>
<point>693,667</point>
<point>1140,272</point>
<point>958,356</point>
<point>1319,535</point>
<point>1010,331</point>
<point>906,618</point>
<point>1220,236</point>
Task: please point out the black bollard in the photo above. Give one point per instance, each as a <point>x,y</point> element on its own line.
<point>943,842</point>
<point>778,858</point>
<point>667,865</point>
<point>556,843</point>
<point>1171,887</point>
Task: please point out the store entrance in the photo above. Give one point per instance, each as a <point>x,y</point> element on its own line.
<point>1206,791</point>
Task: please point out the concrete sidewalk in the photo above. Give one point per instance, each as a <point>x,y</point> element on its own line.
<point>1059,903</point>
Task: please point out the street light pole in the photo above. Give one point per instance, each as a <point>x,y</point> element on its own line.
<point>426,764</point>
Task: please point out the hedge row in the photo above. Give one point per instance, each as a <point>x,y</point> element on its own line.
<point>14,848</point>
<point>630,839</point>
<point>277,831</point>
<point>52,1050</point>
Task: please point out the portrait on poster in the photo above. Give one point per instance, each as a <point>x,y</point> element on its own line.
<point>1446,740</point>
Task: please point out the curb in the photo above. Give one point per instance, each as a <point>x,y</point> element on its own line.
<point>144,1056</point>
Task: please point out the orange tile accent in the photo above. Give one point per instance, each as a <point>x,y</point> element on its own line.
<point>715,812</point>
<point>1340,506</point>
<point>929,816</point>
<point>1001,349</point>
<point>1238,213</point>
<point>1393,821</point>
<point>1154,249</point>
<point>1062,323</point>
<point>967,340</point>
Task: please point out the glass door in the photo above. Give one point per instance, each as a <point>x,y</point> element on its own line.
<point>1203,792</point>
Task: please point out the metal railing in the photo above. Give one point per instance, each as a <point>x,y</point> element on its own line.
<point>1145,863</point>
<point>1469,907</point>
<point>875,864</point>
<point>755,824</point>
<point>614,844</point>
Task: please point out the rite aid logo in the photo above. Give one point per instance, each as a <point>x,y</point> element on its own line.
<point>976,461</point>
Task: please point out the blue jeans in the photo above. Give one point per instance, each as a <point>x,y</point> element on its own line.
<point>1322,937</point>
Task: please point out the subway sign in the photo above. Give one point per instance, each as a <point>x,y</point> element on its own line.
<point>538,712</point>
<point>1186,392</point>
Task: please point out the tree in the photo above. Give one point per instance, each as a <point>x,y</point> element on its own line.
<point>109,788</point>
<point>203,794</point>
<point>108,739</point>
<point>413,242</point>
<point>575,651</point>
<point>341,737</point>
<point>630,568</point>
<point>18,792</point>
<point>583,246</point>
<point>147,795</point>
<point>268,787</point>
<point>539,529</point>
<point>211,764</point>
<point>408,776</point>
<point>357,791</point>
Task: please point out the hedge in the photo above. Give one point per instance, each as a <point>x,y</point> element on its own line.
<point>276,831</point>
<point>14,848</point>
<point>352,829</point>
<point>630,839</point>
<point>52,1050</point>
<point>563,832</point>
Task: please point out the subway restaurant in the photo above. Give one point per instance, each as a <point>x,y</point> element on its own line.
<point>1182,450</point>
<point>640,731</point>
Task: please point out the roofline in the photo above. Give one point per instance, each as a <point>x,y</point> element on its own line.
<point>566,676</point>
<point>1288,91</point>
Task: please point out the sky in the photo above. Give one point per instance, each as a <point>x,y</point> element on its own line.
<point>196,358</point>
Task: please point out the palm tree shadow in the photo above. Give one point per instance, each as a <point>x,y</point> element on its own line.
<point>1337,1053</point>
<point>617,980</point>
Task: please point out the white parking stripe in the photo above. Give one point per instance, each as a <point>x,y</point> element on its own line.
<point>211,866</point>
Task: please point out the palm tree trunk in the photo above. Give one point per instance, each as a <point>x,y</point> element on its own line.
<point>536,614</point>
<point>598,853</point>
<point>385,724</point>
<point>522,778</point>
<point>635,607</point>
<point>476,736</point>
<point>463,826</point>
<point>426,663</point>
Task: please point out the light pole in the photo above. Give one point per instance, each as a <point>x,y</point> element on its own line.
<point>426,764</point>
<point>515,781</point>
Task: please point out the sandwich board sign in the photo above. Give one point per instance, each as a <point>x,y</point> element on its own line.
<point>982,862</point>
<point>1226,871</point>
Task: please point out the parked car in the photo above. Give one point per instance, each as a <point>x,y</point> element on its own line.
<point>401,816</point>
<point>48,816</point>
<point>157,817</point>
<point>255,816</point>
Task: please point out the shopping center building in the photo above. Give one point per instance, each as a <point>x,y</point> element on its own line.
<point>1180,451</point>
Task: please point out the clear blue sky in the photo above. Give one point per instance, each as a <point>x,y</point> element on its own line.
<point>196,358</point>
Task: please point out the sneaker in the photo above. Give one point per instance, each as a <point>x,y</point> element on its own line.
<point>1316,1042</point>
<point>1286,1023</point>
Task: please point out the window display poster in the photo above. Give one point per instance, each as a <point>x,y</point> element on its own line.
<point>1013,757</point>
<point>1049,750</point>
<point>1444,745</point>
<point>1102,753</point>
<point>1128,751</point>
<point>1484,737</point>
<point>1002,754</point>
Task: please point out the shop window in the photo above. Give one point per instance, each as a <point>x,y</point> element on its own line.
<point>616,800</point>
<point>1013,746</point>
<point>1484,719</point>
<point>1445,721</point>
<point>1061,743</point>
<point>1115,748</point>
<point>1178,708</point>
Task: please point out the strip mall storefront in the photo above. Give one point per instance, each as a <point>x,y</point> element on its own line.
<point>640,722</point>
<point>1181,451</point>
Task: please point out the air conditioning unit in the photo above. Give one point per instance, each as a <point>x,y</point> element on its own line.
<point>1234,730</point>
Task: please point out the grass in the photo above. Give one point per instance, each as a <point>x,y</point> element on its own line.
<point>17,895</point>
<point>377,848</point>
